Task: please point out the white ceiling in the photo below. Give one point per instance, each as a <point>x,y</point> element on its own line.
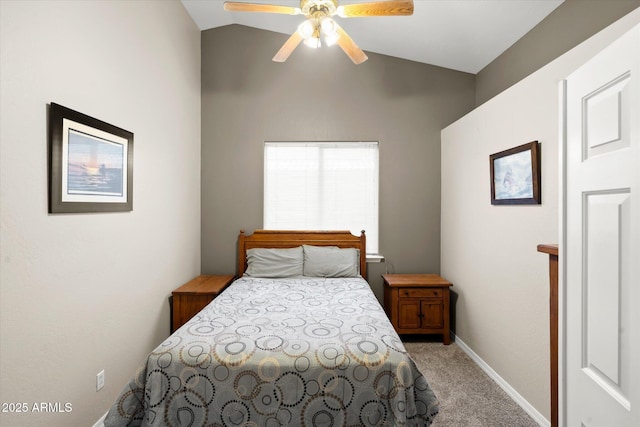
<point>463,35</point>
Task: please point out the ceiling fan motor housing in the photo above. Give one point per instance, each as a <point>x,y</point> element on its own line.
<point>317,8</point>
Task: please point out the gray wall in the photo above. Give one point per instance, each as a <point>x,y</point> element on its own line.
<point>570,24</point>
<point>320,95</point>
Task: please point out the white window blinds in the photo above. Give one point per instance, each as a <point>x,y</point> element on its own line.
<point>322,186</point>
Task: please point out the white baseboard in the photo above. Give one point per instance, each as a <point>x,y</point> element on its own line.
<point>529,409</point>
<point>100,422</point>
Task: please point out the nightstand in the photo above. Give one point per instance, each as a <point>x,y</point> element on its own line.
<point>418,303</point>
<point>194,295</point>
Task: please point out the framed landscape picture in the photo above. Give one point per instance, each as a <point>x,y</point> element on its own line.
<point>90,164</point>
<point>515,175</point>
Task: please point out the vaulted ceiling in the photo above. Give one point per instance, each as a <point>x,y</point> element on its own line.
<point>463,35</point>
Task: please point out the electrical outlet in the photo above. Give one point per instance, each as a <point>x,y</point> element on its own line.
<point>100,380</point>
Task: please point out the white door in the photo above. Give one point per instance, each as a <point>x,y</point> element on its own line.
<point>602,239</point>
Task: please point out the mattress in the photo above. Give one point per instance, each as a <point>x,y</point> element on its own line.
<point>281,352</point>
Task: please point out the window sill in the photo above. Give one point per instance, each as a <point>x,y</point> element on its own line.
<point>375,258</point>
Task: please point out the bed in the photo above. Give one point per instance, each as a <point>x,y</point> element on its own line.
<point>298,340</point>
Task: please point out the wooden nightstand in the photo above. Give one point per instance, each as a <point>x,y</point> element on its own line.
<point>194,295</point>
<point>418,303</point>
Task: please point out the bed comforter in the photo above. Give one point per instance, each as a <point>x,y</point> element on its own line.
<point>281,352</point>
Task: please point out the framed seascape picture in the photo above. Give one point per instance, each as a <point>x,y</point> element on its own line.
<point>90,164</point>
<point>515,175</point>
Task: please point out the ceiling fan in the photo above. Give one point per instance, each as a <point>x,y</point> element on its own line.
<point>320,24</point>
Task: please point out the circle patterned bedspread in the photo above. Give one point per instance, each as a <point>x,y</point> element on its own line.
<point>281,352</point>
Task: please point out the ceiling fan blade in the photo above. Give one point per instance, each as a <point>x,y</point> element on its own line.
<point>288,47</point>
<point>350,47</point>
<point>378,8</point>
<point>235,6</point>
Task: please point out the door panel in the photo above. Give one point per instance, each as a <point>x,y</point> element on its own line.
<point>602,240</point>
<point>432,313</point>
<point>606,338</point>
<point>409,314</point>
<point>606,128</point>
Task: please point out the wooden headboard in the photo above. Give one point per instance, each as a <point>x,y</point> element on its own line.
<point>292,239</point>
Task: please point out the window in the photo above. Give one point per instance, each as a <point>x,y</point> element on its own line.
<point>322,186</point>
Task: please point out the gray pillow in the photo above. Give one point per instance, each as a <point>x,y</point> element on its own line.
<point>330,261</point>
<point>262,262</point>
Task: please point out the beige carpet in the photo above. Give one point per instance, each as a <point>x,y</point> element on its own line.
<point>467,396</point>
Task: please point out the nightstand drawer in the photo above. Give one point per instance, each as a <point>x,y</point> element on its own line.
<point>419,293</point>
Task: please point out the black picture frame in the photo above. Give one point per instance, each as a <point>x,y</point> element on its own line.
<point>90,164</point>
<point>515,175</point>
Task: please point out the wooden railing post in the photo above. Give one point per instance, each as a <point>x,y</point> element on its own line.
<point>552,250</point>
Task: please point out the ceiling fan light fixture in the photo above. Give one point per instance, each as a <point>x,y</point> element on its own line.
<point>331,40</point>
<point>313,30</point>
<point>329,30</point>
<point>313,42</point>
<point>328,26</point>
<point>306,29</point>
